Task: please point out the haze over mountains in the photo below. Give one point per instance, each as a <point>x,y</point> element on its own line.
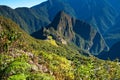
<point>102,15</point>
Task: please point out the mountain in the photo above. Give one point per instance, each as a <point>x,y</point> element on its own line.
<point>25,58</point>
<point>66,29</point>
<point>101,13</point>
<point>10,13</point>
<point>66,35</point>
<point>28,20</point>
<point>19,55</point>
<point>112,36</point>
<point>113,54</point>
<point>52,7</point>
<point>34,20</point>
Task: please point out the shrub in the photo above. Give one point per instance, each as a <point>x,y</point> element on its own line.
<point>40,76</point>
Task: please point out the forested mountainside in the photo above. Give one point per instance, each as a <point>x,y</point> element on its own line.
<point>100,14</point>
<point>25,58</point>
<point>10,13</point>
<point>25,17</point>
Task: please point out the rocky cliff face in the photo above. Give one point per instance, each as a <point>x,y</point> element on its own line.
<point>78,32</point>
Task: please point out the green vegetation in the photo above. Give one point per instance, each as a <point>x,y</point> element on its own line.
<point>39,76</point>
<point>50,40</point>
<point>25,58</point>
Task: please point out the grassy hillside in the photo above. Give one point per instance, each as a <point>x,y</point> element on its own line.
<point>25,58</point>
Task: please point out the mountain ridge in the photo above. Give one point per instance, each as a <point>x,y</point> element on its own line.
<point>41,15</point>
<point>101,14</point>
<point>78,32</point>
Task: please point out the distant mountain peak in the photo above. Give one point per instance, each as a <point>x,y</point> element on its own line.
<point>61,19</point>
<point>61,13</point>
<point>71,30</point>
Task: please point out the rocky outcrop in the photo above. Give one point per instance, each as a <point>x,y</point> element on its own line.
<point>75,31</point>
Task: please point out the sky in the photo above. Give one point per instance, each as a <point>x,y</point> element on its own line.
<point>20,3</point>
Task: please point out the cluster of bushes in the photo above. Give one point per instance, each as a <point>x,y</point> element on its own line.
<point>8,39</point>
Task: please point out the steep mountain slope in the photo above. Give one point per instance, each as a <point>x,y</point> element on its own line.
<point>66,29</point>
<point>10,13</point>
<point>101,14</point>
<point>113,34</point>
<point>34,20</point>
<point>52,7</point>
<point>113,54</point>
<point>25,58</point>
<point>29,20</point>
